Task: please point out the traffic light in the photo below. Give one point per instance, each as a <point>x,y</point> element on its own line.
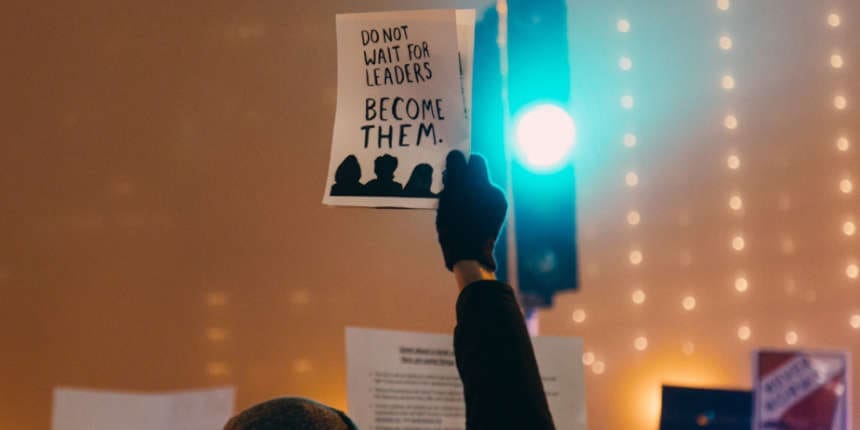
<point>534,123</point>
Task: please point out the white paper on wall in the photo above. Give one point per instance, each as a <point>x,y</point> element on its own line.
<point>400,380</point>
<point>76,409</point>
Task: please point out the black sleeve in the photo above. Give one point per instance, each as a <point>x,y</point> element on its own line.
<point>501,383</point>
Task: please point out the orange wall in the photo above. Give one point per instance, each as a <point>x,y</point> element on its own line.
<point>161,171</point>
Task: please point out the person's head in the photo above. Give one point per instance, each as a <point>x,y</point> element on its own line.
<point>348,172</point>
<point>422,177</point>
<point>384,167</point>
<point>290,413</point>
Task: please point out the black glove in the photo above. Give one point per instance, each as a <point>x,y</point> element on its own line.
<point>471,211</point>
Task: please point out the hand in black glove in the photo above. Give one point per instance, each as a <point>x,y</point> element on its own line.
<point>471,211</point>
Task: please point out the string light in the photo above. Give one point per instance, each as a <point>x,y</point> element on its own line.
<point>627,102</point>
<point>640,343</point>
<point>741,284</point>
<point>623,25</point>
<point>834,20</point>
<point>723,5</point>
<point>791,337</point>
<point>855,321</point>
<point>846,186</point>
<point>726,43</point>
<point>738,243</point>
<point>734,162</point>
<point>598,367</point>
<point>736,203</point>
<point>625,63</point>
<point>852,271</point>
<point>840,102</point>
<point>638,297</point>
<point>633,218</point>
<point>744,332</point>
<point>578,316</point>
<point>635,257</point>
<point>849,228</point>
<point>689,303</point>
<point>629,140</point>
<point>588,358</point>
<point>836,61</point>
<point>843,144</point>
<point>728,82</point>
<point>631,179</point>
<point>730,122</point>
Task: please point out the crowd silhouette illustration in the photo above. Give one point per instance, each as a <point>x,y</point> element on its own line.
<point>347,179</point>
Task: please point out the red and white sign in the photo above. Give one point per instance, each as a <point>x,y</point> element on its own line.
<point>802,390</point>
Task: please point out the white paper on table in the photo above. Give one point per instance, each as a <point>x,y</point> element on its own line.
<point>398,379</point>
<point>76,409</point>
<point>425,118</point>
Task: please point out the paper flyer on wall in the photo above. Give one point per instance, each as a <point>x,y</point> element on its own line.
<point>77,409</point>
<point>802,390</point>
<point>400,380</point>
<point>403,103</point>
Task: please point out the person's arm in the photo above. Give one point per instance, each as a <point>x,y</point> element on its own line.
<point>501,383</point>
<point>469,271</point>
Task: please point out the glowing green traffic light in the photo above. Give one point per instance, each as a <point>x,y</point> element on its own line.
<point>544,137</point>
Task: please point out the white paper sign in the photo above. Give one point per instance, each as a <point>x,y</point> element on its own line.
<point>400,380</point>
<point>402,105</point>
<point>75,409</point>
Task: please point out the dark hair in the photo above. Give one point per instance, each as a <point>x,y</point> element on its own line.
<point>290,413</point>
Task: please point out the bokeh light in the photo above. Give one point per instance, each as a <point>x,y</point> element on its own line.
<point>588,358</point>
<point>633,218</point>
<point>631,179</point>
<point>688,303</point>
<point>638,297</point>
<point>741,284</point>
<point>836,61</point>
<point>730,122</point>
<point>630,140</point>
<point>744,332</point>
<point>635,257</point>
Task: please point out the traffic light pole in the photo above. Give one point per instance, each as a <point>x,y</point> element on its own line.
<point>529,309</point>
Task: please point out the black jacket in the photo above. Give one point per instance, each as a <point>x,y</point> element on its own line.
<point>501,383</point>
